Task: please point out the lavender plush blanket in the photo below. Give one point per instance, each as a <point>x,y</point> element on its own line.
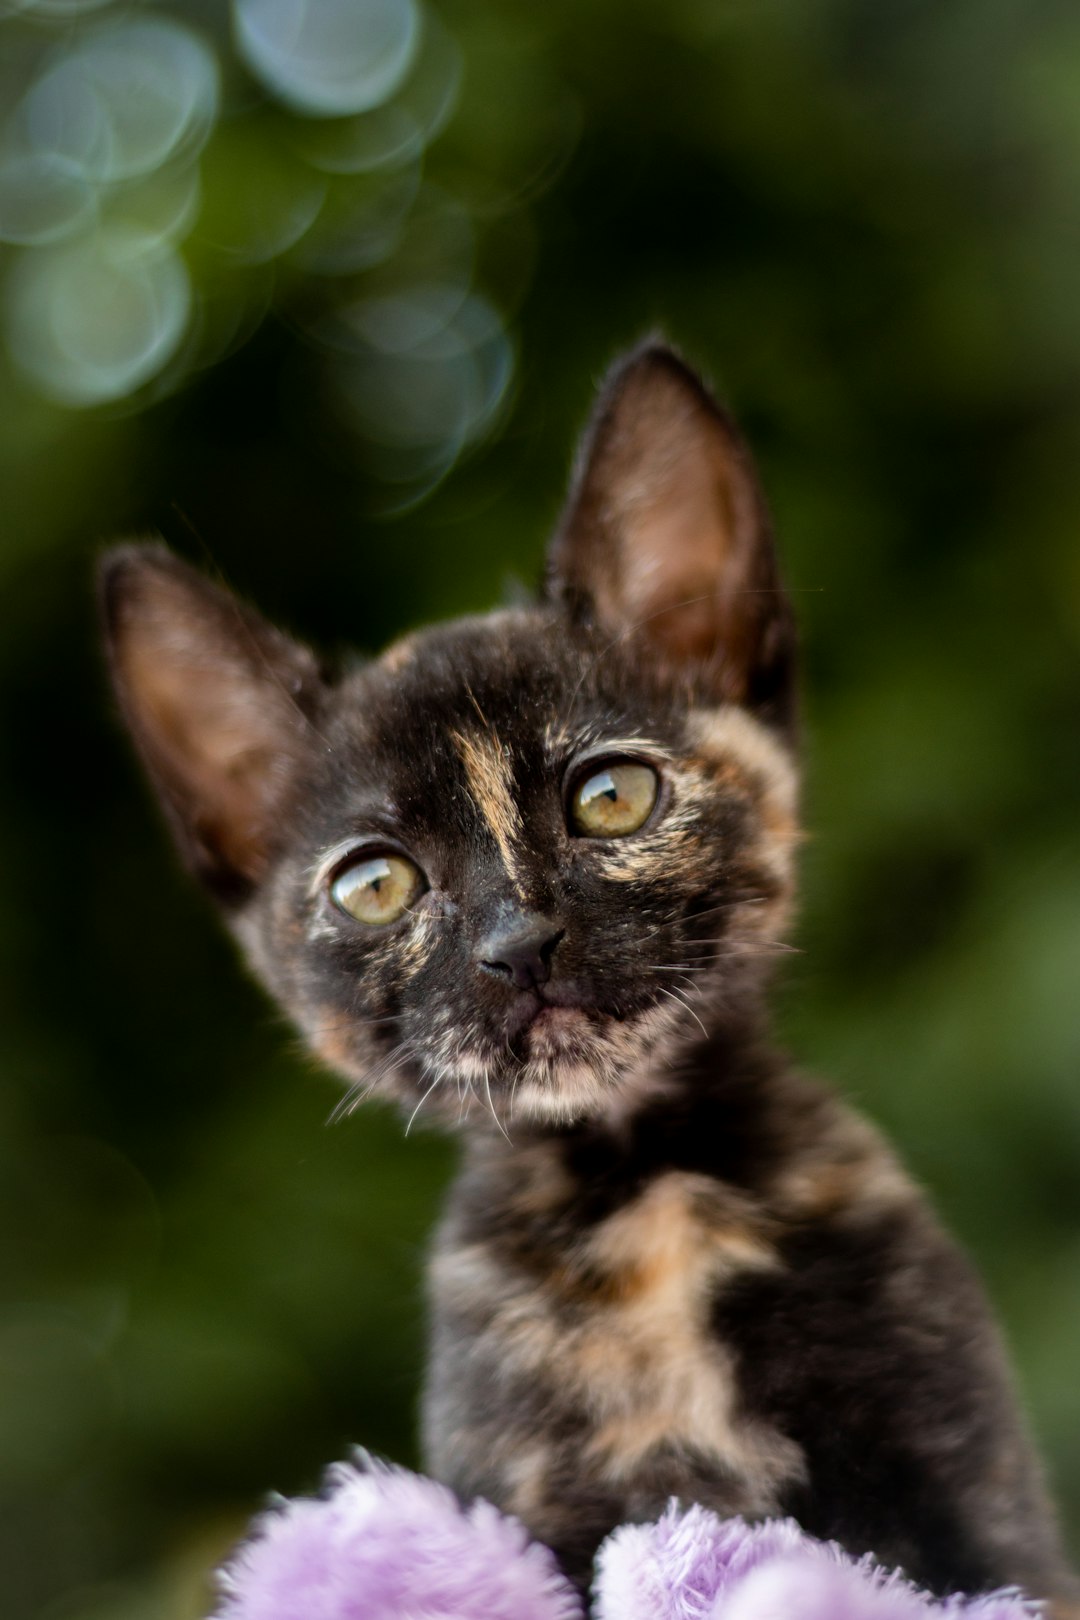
<point>383,1544</point>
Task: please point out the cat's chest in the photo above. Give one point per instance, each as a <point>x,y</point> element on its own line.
<point>618,1327</point>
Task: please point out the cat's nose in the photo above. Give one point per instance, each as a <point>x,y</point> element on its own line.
<point>521,951</point>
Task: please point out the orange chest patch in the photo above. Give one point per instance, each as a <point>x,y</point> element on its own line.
<point>646,1364</point>
<point>619,1334</point>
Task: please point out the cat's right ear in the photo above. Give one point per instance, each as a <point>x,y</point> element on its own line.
<point>220,706</point>
<point>665,542</point>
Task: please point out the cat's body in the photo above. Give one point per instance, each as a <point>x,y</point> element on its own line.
<point>738,1299</point>
<point>529,871</point>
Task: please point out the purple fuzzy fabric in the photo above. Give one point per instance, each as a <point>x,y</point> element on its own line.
<point>383,1544</point>
<point>694,1566</point>
<point>386,1545</point>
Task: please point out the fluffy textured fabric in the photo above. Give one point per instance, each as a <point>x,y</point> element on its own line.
<point>383,1544</point>
<point>694,1566</point>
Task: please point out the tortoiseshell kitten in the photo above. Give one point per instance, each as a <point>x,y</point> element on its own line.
<point>537,862</point>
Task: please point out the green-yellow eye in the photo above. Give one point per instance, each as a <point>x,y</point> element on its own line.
<point>616,799</point>
<point>378,889</point>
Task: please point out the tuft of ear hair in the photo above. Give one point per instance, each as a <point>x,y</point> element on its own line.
<point>220,705</point>
<point>666,541</point>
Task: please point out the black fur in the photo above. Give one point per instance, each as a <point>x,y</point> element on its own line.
<point>672,1265</point>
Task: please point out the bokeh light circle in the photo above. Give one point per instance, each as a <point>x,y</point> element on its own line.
<point>386,138</point>
<point>122,100</point>
<point>163,205</point>
<point>42,199</point>
<point>328,58</point>
<point>64,9</point>
<point>92,321</point>
<point>421,375</point>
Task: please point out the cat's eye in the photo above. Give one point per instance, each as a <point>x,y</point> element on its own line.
<point>614,799</point>
<point>378,889</point>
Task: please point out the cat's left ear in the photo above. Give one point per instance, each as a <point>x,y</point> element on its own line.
<point>666,539</point>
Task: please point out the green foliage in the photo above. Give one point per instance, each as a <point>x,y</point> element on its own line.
<point>864,219</point>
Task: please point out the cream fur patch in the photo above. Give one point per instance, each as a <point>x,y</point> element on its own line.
<point>487,770</point>
<point>731,733</point>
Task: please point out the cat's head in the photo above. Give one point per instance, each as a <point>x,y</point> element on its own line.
<point>524,857</point>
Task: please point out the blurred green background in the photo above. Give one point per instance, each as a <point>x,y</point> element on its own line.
<point>320,291</point>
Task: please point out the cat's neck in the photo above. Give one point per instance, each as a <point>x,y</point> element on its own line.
<point>737,1118</point>
<point>714,1106</point>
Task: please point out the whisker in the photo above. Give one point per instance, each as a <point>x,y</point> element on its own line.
<point>362,1089</point>
<point>678,917</point>
<point>491,1105</point>
<point>674,996</point>
<point>421,1103</point>
<point>334,1026</point>
<point>727,905</point>
<point>742,946</point>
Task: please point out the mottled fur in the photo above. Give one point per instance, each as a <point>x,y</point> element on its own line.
<point>671,1264</point>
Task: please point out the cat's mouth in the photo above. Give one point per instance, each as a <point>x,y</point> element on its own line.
<point>553,1022</point>
<point>566,1056</point>
<point>547,1010</point>
<point>564,1051</point>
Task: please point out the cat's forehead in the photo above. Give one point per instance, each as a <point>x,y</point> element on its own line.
<point>470,722</point>
<point>515,674</point>
<point>461,729</point>
<point>520,648</point>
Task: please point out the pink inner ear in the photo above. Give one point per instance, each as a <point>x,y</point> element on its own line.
<point>677,605</point>
<point>207,688</point>
<point>218,736</point>
<point>687,545</point>
<point>666,535</point>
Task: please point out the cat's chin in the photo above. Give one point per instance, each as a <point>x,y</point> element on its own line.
<point>556,1031</point>
<point>580,1065</point>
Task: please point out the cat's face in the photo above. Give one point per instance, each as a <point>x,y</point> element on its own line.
<point>519,860</point>
<point>520,868</point>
